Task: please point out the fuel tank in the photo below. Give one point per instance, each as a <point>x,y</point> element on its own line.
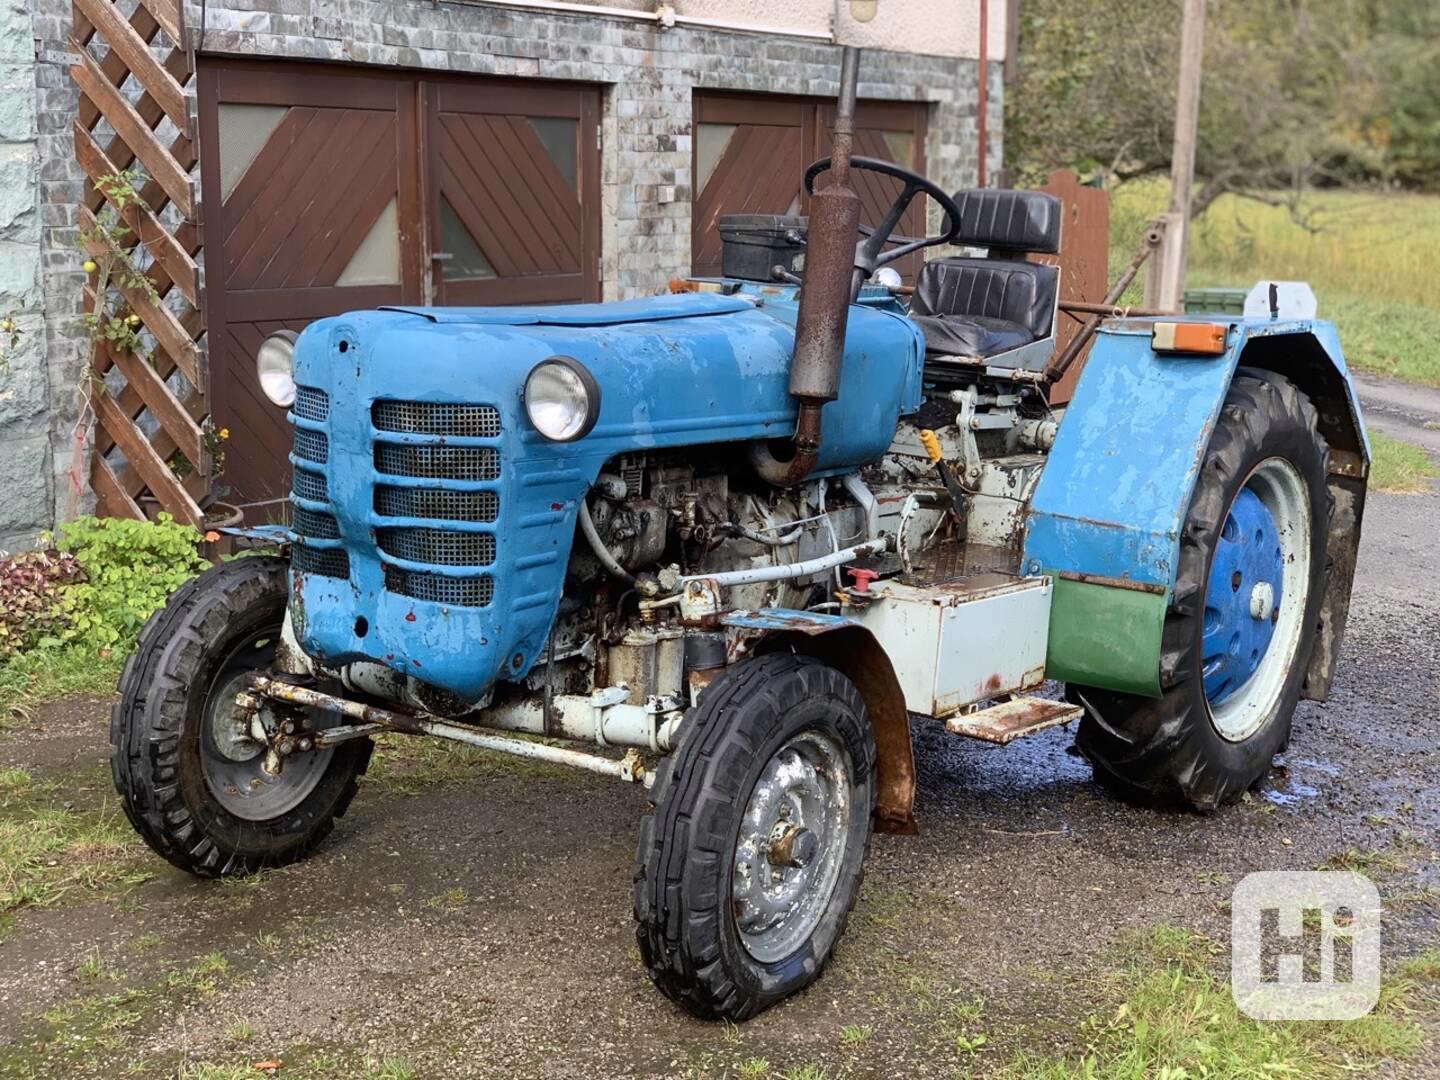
<point>434,524</point>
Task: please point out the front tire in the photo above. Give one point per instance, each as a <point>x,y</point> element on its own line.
<point>190,782</point>
<point>748,869</point>
<point>1243,615</point>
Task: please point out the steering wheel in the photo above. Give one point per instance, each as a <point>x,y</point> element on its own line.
<point>870,253</point>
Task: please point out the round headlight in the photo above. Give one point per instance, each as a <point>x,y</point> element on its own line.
<point>275,366</point>
<point>562,399</point>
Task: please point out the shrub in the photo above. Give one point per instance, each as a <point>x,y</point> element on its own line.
<point>31,585</point>
<point>130,568</point>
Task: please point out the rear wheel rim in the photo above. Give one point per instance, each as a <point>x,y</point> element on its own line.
<point>232,761</point>
<point>1255,599</point>
<point>791,846</point>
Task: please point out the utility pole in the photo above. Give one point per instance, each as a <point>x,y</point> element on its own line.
<point>1012,43</point>
<point>982,99</point>
<point>1165,283</point>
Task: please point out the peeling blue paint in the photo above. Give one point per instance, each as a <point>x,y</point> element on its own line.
<point>674,371</point>
<point>1117,485</point>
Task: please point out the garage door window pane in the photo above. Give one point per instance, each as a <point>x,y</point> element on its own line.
<point>377,260</point>
<point>902,147</point>
<point>710,143</point>
<point>467,262</point>
<point>559,137</point>
<point>244,130</point>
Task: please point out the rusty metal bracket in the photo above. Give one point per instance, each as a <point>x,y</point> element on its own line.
<point>1062,362</point>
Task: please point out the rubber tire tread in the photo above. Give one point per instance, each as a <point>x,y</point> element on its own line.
<point>148,719</point>
<point>683,945</point>
<point>1166,750</point>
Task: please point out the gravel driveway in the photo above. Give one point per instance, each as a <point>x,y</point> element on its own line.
<point>481,926</point>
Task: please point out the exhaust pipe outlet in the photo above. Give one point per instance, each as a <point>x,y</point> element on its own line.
<point>825,297</point>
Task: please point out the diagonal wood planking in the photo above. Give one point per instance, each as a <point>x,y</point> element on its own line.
<point>509,195</point>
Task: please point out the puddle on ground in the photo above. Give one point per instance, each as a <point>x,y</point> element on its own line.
<point>1287,784</point>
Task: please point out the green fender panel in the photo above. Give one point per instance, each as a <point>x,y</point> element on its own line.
<point>1101,635</point>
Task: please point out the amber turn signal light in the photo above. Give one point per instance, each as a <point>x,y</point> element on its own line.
<point>1182,337</point>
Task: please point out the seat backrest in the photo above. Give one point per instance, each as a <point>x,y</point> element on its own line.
<point>1009,221</point>
<point>1016,292</point>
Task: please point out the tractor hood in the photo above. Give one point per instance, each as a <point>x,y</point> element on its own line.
<point>672,371</point>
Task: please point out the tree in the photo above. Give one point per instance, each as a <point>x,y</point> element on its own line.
<point>1292,96</point>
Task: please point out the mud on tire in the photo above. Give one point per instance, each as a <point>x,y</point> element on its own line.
<point>687,925</point>
<point>1169,749</point>
<point>155,730</point>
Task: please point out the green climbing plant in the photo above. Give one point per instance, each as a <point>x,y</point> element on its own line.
<point>113,319</point>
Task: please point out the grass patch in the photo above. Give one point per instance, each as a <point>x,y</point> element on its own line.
<point>54,846</point>
<point>1369,863</point>
<point>49,674</point>
<point>1171,1017</point>
<point>1398,467</point>
<point>1423,967</point>
<point>299,1064</point>
<point>450,898</point>
<point>1370,264</point>
<point>99,1034</point>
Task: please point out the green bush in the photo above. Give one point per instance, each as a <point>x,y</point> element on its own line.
<point>130,568</point>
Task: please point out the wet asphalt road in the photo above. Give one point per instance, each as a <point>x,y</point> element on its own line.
<point>1024,876</point>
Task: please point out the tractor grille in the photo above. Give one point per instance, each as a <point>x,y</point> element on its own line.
<point>314,525</point>
<point>310,485</point>
<point>311,404</point>
<point>429,418</point>
<point>312,446</point>
<point>436,589</point>
<point>437,462</point>
<point>436,503</point>
<point>326,562</point>
<point>440,547</point>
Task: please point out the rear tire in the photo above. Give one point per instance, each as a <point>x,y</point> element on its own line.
<point>748,869</point>
<point>1211,736</point>
<point>165,759</point>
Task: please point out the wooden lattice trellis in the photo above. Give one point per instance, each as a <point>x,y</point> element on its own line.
<point>147,407</point>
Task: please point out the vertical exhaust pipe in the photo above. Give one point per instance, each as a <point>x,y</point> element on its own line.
<point>831,283</point>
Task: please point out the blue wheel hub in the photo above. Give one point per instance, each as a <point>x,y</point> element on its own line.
<point>1242,597</point>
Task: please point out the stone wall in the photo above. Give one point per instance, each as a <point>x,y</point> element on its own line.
<point>26,501</point>
<point>649,74</point>
<point>40,276</point>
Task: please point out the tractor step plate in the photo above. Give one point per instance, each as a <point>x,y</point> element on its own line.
<point>1010,720</point>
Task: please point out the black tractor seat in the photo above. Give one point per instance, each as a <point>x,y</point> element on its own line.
<point>982,307</point>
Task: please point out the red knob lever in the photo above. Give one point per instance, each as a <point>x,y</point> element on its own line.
<point>862,577</point>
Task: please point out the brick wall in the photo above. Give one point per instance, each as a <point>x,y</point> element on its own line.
<point>646,149</point>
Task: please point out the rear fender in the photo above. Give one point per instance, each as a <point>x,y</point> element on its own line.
<point>852,650</point>
<point>1106,518</point>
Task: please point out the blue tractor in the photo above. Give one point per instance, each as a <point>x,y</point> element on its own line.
<point>748,533</point>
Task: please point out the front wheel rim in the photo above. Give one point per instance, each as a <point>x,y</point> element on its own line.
<point>1251,634</point>
<point>791,845</point>
<point>232,762</point>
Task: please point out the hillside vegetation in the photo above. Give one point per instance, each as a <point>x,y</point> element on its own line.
<point>1368,256</point>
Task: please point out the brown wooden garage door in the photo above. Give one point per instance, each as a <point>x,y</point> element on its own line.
<point>330,189</point>
<point>750,154</point>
